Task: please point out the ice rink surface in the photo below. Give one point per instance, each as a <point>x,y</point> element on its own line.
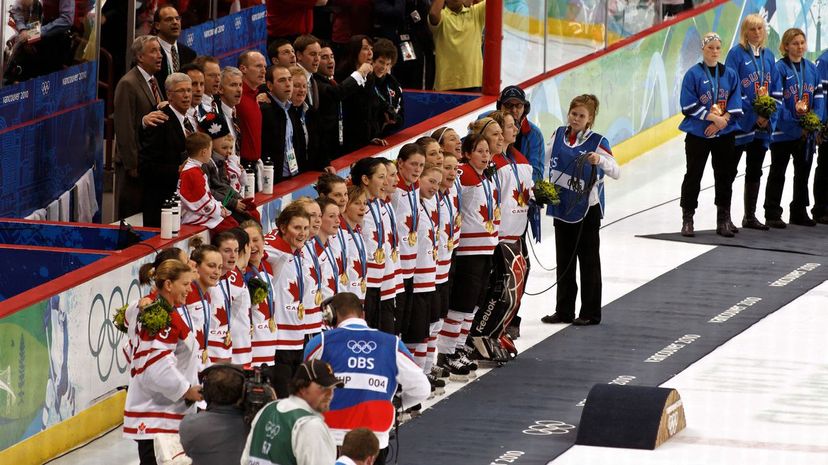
<point>761,398</point>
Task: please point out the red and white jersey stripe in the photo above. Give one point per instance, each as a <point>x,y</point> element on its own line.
<point>479,198</point>
<point>405,198</point>
<point>289,286</point>
<point>392,283</point>
<point>428,235</point>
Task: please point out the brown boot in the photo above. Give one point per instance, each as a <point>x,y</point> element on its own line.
<point>687,222</point>
<point>722,228</point>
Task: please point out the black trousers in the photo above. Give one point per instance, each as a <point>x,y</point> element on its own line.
<point>781,153</point>
<point>755,150</point>
<point>469,293</point>
<point>379,313</point>
<point>821,182</point>
<point>579,244</point>
<point>146,451</point>
<point>404,303</point>
<point>285,364</point>
<point>697,149</point>
<point>128,193</point>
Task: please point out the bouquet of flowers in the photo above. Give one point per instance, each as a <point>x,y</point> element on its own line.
<point>258,290</point>
<point>546,193</point>
<point>155,316</point>
<point>810,122</point>
<point>119,319</point>
<point>764,106</point>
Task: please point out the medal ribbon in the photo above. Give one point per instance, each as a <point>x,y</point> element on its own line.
<point>445,198</point>
<point>393,217</point>
<point>332,261</point>
<point>412,202</point>
<point>188,317</point>
<point>300,279</point>
<point>760,66</point>
<point>487,190</point>
<point>377,216</point>
<point>434,228</point>
<point>344,252</point>
<point>714,83</point>
<point>226,301</point>
<point>360,245</point>
<point>315,258</point>
<point>517,175</point>
<point>799,78</point>
<point>207,315</point>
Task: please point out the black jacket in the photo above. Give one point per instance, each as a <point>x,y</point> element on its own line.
<point>219,183</point>
<point>331,96</point>
<point>160,156</point>
<point>185,55</point>
<point>274,124</point>
<point>307,154</point>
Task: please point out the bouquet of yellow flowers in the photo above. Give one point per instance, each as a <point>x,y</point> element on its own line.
<point>810,122</point>
<point>258,290</point>
<point>764,106</point>
<point>546,193</point>
<point>119,319</point>
<point>156,316</point>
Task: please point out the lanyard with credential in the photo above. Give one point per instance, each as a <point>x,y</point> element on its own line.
<point>714,82</point>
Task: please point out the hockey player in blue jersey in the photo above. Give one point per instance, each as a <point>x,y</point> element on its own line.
<point>755,65</point>
<point>711,101</point>
<point>802,93</point>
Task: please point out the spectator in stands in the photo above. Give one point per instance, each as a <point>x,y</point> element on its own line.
<point>252,66</point>
<point>360,50</point>
<point>458,36</point>
<point>303,437</point>
<point>216,436</point>
<point>197,78</point>
<point>198,206</point>
<point>136,95</point>
<point>388,99</point>
<point>230,93</point>
<point>281,52</point>
<point>360,447</point>
<point>330,120</point>
<point>290,19</point>
<point>212,81</point>
<point>356,403</point>
<point>43,44</point>
<point>307,56</point>
<point>224,171</point>
<point>167,24</point>
<point>670,8</point>
<point>277,129</point>
<point>162,148</point>
<point>403,23</point>
<point>529,140</point>
<point>303,121</point>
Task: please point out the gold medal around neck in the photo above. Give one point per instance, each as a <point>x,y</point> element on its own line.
<point>317,299</point>
<point>395,255</point>
<point>204,357</point>
<point>272,325</point>
<point>763,91</point>
<point>489,227</point>
<point>521,201</point>
<point>379,256</point>
<point>458,220</point>
<point>300,311</point>
<point>450,244</point>
<point>343,278</point>
<point>228,341</point>
<point>434,252</point>
<point>412,238</point>
<point>363,286</point>
<point>251,330</point>
<point>496,214</point>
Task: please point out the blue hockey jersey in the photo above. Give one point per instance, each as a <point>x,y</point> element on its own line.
<point>811,91</point>
<point>696,99</point>
<point>749,68</point>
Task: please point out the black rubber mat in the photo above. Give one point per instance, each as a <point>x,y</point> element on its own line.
<point>793,239</point>
<point>527,411</point>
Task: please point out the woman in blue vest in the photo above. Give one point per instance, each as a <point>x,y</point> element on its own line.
<point>802,94</point>
<point>578,161</point>
<point>755,66</point>
<point>711,101</point>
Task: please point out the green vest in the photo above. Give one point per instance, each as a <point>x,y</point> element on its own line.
<point>271,442</point>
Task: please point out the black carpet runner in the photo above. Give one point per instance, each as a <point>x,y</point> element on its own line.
<point>527,412</point>
<point>794,239</point>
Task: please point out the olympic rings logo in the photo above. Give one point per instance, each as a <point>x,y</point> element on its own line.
<point>548,428</point>
<point>362,347</point>
<point>104,342</point>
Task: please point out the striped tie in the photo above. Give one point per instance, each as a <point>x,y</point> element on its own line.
<point>237,130</point>
<point>156,92</point>
<point>188,127</point>
<point>176,64</point>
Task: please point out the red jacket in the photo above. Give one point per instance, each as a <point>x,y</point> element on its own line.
<point>250,124</point>
<point>289,17</point>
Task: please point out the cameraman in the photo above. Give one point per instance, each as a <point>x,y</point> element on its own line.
<point>217,435</point>
<point>372,364</point>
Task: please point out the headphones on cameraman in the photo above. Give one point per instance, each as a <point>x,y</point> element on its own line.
<point>329,312</point>
<point>203,378</point>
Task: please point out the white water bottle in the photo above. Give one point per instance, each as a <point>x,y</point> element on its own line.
<point>167,220</point>
<point>176,215</point>
<point>249,184</point>
<point>267,176</point>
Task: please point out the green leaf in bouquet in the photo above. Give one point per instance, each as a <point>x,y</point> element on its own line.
<point>810,122</point>
<point>546,193</point>
<point>155,317</point>
<point>764,106</point>
<point>119,319</point>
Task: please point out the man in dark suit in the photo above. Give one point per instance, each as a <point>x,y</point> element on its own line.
<point>276,125</point>
<point>162,148</point>
<point>136,95</point>
<point>329,117</point>
<point>167,24</point>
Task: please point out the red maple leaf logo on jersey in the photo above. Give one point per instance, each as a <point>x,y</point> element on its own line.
<point>332,283</point>
<point>293,288</point>
<point>449,228</point>
<point>435,218</point>
<point>391,237</point>
<point>484,212</point>
<point>339,265</point>
<point>409,223</point>
<point>314,274</point>
<point>431,236</point>
<point>221,316</point>
<point>518,194</point>
<point>456,202</point>
<point>264,309</point>
<point>357,267</point>
<point>200,338</point>
<point>496,195</point>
